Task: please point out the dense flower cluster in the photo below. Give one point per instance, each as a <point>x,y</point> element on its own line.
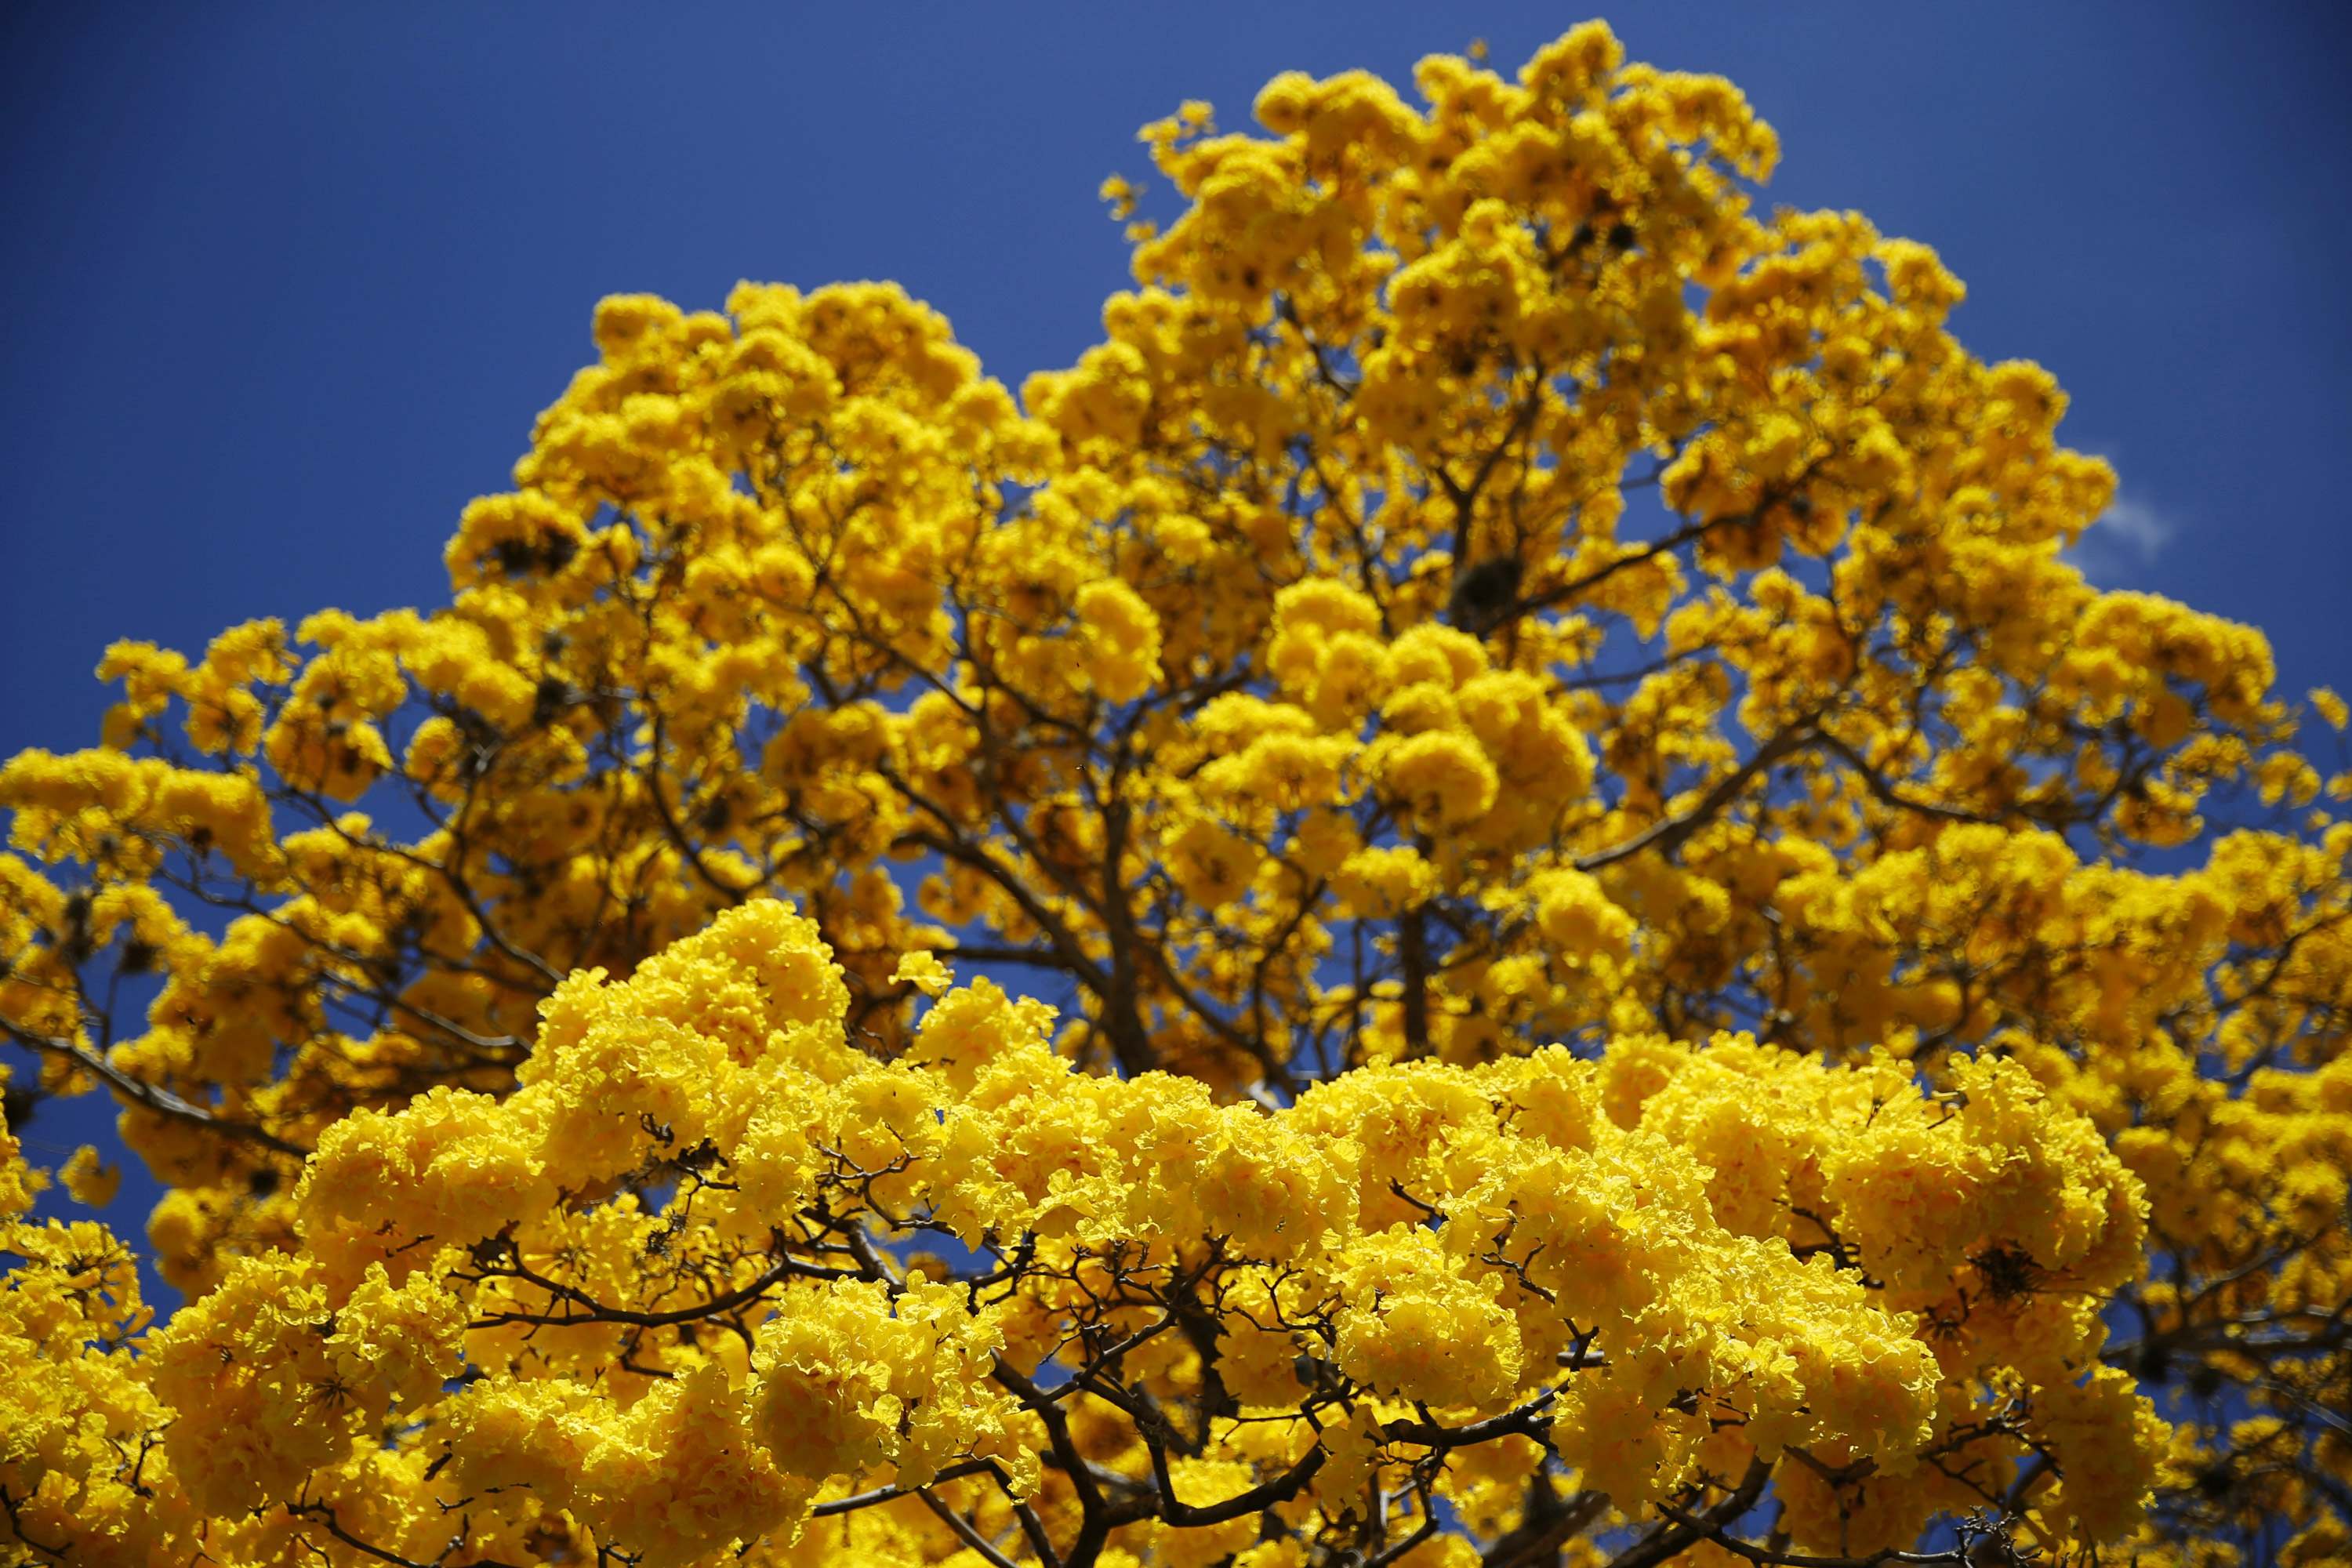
<point>1486,892</point>
<point>1610,1254</point>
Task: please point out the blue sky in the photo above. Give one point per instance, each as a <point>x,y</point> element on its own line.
<point>288,283</point>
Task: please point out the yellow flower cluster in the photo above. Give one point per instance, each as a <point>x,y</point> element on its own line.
<point>1574,929</point>
<point>1447,1239</point>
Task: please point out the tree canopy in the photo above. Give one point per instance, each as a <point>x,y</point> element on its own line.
<point>1485,893</point>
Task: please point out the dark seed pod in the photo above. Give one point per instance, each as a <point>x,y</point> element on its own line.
<point>1485,596</point>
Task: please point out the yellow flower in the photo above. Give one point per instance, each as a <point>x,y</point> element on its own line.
<point>90,1178</point>
<point>924,972</point>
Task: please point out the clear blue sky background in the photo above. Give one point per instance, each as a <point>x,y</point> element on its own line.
<point>286,284</point>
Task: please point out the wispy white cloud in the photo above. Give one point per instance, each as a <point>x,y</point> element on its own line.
<point>2135,526</point>
<point>2126,540</point>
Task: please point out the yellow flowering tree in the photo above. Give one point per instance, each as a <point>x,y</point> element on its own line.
<point>1484,894</point>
